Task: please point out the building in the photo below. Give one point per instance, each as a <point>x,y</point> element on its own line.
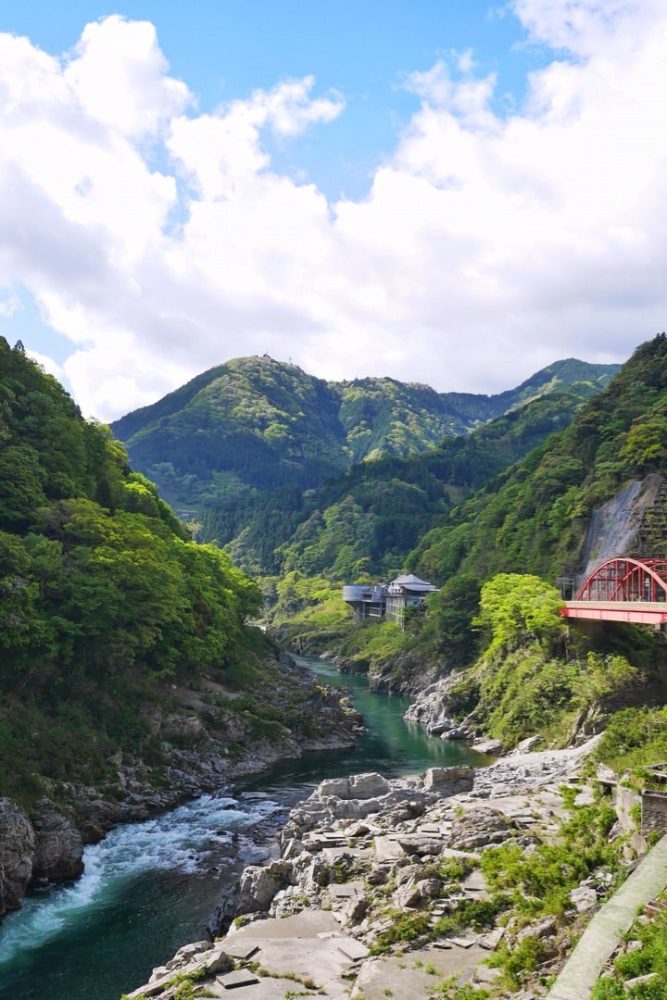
<point>378,601</point>
<point>367,600</point>
<point>406,592</point>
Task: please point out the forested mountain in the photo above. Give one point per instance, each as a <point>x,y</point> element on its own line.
<point>105,603</point>
<point>241,446</point>
<point>366,520</point>
<point>533,518</point>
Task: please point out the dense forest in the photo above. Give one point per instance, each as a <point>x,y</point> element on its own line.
<point>533,517</point>
<point>241,448</point>
<point>103,595</point>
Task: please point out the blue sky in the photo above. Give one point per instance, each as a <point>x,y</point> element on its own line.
<point>456,193</point>
<point>224,49</point>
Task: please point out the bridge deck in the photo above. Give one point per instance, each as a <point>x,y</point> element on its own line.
<point>638,612</point>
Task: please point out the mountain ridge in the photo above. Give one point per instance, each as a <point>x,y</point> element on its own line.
<point>254,426</point>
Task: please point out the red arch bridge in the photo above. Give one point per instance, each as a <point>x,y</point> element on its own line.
<point>623,589</point>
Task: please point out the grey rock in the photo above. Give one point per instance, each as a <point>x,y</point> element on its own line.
<point>357,786</point>
<point>481,828</point>
<point>58,844</point>
<point>17,849</point>
<point>584,898</point>
<point>449,780</point>
<point>259,886</point>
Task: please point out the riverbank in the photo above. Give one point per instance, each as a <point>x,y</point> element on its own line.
<point>394,888</point>
<point>150,887</point>
<point>203,739</point>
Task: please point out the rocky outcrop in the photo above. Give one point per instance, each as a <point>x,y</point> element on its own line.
<point>17,851</point>
<point>328,909</point>
<point>200,734</point>
<point>432,711</point>
<point>58,845</point>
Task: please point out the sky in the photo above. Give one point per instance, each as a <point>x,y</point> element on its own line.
<point>453,192</point>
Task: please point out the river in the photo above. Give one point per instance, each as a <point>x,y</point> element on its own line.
<point>148,887</point>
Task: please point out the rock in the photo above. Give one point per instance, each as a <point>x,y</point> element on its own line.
<point>357,786</point>
<point>449,780</point>
<point>17,849</point>
<point>525,746</point>
<point>222,915</point>
<point>58,844</point>
<point>481,828</point>
<point>489,746</point>
<point>584,898</point>
<point>218,961</point>
<point>539,930</point>
<point>259,886</point>
<point>184,955</point>
<point>237,979</point>
<point>650,977</point>
<point>413,894</point>
<point>491,940</point>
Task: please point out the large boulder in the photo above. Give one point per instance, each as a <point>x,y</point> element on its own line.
<point>17,850</point>
<point>58,845</point>
<point>358,786</point>
<point>259,886</point>
<point>449,780</point>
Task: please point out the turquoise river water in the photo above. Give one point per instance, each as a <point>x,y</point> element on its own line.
<point>149,887</point>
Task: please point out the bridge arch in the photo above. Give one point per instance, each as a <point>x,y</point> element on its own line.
<point>626,578</point>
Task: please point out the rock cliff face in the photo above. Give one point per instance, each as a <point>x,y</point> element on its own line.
<point>17,849</point>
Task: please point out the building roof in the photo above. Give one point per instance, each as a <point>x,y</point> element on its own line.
<point>412,582</point>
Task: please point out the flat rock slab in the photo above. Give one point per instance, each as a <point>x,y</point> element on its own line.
<point>409,982</point>
<point>388,849</point>
<point>345,890</point>
<point>242,950</point>
<point>475,882</point>
<point>237,979</point>
<point>464,942</point>
<point>309,923</point>
<point>352,949</point>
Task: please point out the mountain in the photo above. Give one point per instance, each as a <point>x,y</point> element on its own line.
<point>365,521</point>
<point>535,517</point>
<point>249,438</point>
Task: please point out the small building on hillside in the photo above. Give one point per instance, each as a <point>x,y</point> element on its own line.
<point>406,592</point>
<point>377,601</point>
<point>367,600</point>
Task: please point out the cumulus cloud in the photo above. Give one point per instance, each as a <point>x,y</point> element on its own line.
<point>161,240</point>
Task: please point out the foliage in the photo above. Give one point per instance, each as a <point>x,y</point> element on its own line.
<point>532,517</point>
<point>634,739</point>
<point>249,446</point>
<point>103,594</point>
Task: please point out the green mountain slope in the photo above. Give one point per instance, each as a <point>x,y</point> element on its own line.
<point>121,640</point>
<point>533,518</point>
<point>366,520</point>
<point>238,446</point>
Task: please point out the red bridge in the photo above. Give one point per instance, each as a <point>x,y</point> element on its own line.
<point>624,589</point>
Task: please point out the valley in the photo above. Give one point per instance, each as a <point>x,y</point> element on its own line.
<point>137,687</point>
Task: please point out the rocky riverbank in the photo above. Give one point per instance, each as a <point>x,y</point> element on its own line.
<point>205,738</point>
<point>404,888</point>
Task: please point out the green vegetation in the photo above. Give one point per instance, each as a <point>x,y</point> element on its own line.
<point>246,448</point>
<point>104,598</point>
<point>533,517</point>
<point>649,957</point>
<point>634,739</point>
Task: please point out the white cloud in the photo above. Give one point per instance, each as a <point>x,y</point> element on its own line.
<point>486,247</point>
